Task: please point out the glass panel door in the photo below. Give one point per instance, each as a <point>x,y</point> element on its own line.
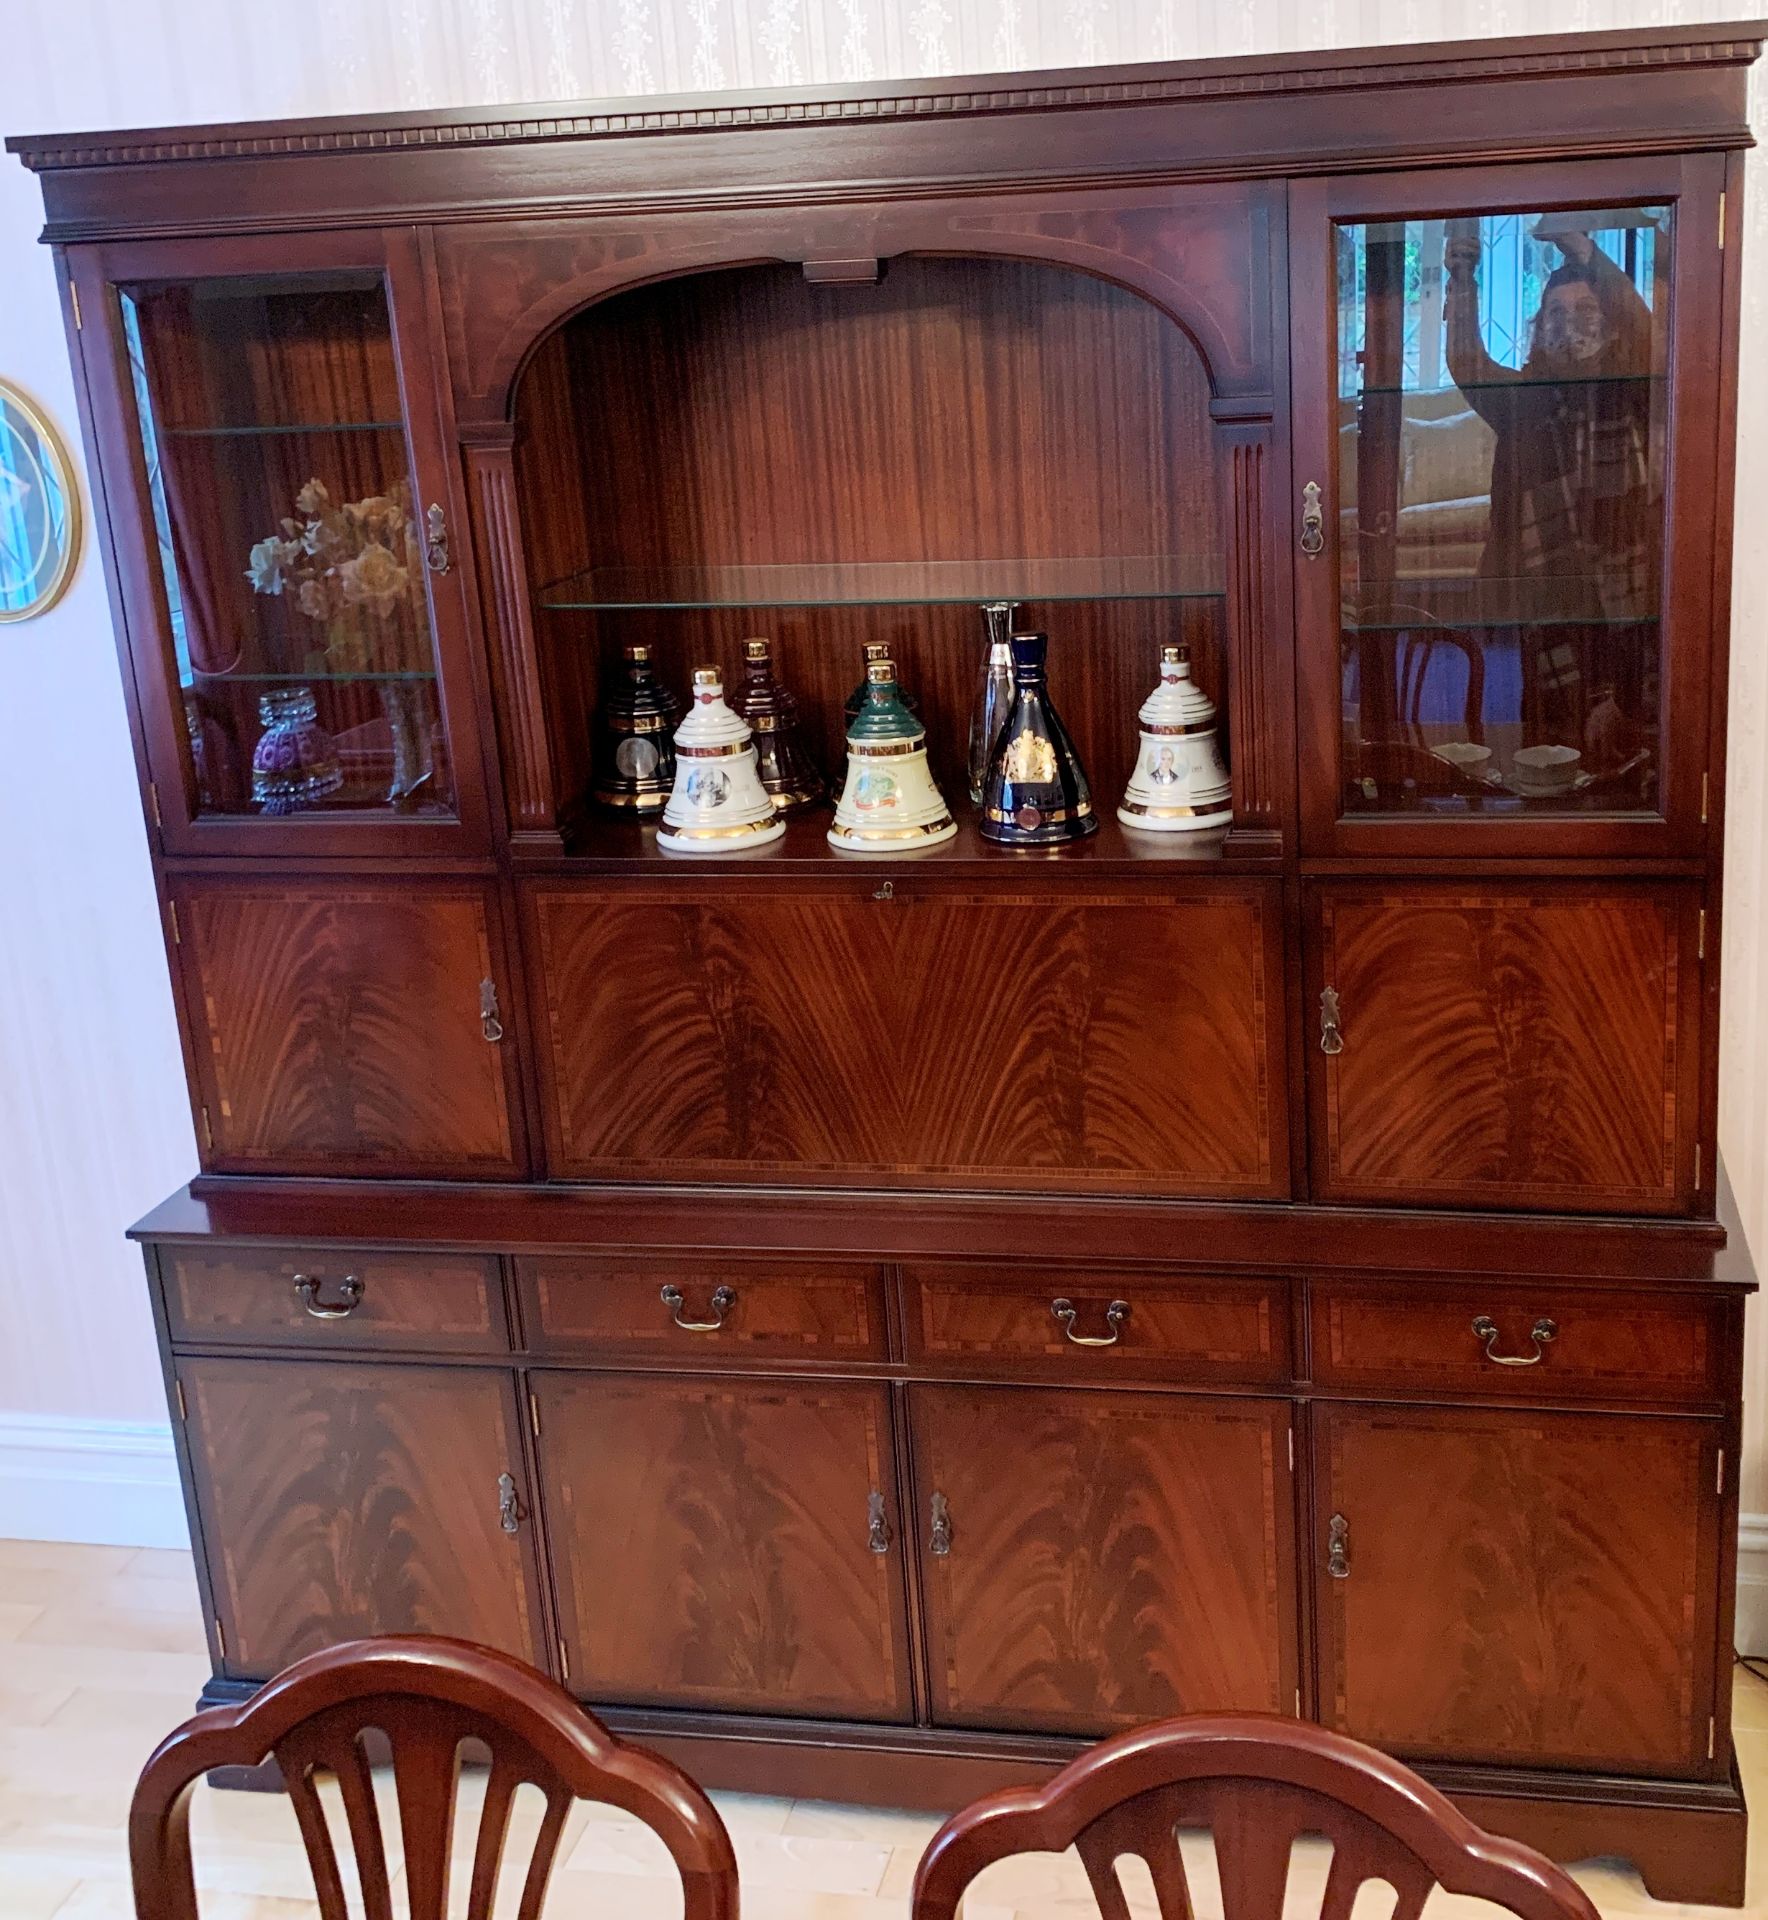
<point>291,543</point>
<point>1501,420</point>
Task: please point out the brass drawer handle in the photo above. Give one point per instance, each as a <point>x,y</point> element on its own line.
<point>509,1508</point>
<point>1543,1333</point>
<point>1115,1315</point>
<point>1338,1547</point>
<point>939,1536</point>
<point>1313,520</point>
<point>1331,1036</point>
<point>490,1022</point>
<point>436,539</point>
<point>349,1297</point>
<point>723,1299</point>
<point>877,1533</point>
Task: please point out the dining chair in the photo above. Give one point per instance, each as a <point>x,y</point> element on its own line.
<point>420,1702</point>
<point>1257,1783</point>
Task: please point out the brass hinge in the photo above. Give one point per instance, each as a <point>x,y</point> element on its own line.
<point>1712,1735</point>
<point>564,1660</point>
<point>1697,1166</point>
<point>1291,1449</point>
<point>1298,1703</point>
<point>209,1131</point>
<point>534,1415</point>
<point>153,805</point>
<point>74,300</point>
<point>1721,248</point>
<point>1703,798</point>
<point>1720,1487</point>
<point>178,1391</point>
<point>1700,950</point>
<point>221,1636</point>
<point>178,937</point>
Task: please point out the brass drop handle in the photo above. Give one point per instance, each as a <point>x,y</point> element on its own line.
<point>1313,521</point>
<point>939,1536</point>
<point>877,1532</point>
<point>509,1508</point>
<point>436,540</point>
<point>349,1297</point>
<point>1115,1315</point>
<point>1338,1547</point>
<point>885,892</point>
<point>489,1023</point>
<point>723,1299</point>
<point>1543,1333</point>
<point>1331,1034</point>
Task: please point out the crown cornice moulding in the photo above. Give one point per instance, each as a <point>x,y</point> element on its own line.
<point>1732,43</point>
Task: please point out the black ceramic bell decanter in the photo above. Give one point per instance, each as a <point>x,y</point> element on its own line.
<point>634,745</point>
<point>787,770</point>
<point>1036,794</point>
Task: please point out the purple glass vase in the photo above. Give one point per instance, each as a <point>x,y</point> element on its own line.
<point>295,763</point>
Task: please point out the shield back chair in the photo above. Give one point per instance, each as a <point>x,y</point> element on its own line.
<point>1257,1783</point>
<point>424,1699</point>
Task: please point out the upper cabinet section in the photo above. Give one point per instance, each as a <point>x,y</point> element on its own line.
<point>287,547</point>
<point>1502,600</point>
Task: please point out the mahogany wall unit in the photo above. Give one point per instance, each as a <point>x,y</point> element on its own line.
<point>870,1327</point>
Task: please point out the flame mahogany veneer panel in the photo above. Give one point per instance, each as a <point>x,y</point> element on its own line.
<point>1128,1042</point>
<point>338,1030</point>
<point>1114,1558</point>
<point>1508,1046</point>
<point>340,1501</point>
<point>1521,1587</point>
<point>711,1542</point>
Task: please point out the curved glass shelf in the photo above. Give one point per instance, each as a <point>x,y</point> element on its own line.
<point>884,583</point>
<point>1471,600</point>
<point>317,676</point>
<point>272,430</point>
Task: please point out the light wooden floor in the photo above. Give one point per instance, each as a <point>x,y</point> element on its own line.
<point>101,1653</point>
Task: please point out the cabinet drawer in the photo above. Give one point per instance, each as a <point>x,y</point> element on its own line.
<point>717,1310</point>
<point>1192,1329</point>
<point>335,1297</point>
<point>1541,1341</point>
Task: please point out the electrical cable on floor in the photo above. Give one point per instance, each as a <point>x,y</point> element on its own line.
<point>1752,1663</point>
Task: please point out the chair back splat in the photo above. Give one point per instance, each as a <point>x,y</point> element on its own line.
<point>1257,1783</point>
<point>421,1701</point>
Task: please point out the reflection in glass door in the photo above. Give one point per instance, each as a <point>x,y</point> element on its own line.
<point>1501,414</point>
<point>290,549</point>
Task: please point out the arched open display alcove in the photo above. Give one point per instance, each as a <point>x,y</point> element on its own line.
<point>748,451</point>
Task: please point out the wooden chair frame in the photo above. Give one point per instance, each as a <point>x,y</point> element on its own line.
<point>426,1697</point>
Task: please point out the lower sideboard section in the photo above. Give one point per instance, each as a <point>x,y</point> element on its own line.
<point>818,1527</point>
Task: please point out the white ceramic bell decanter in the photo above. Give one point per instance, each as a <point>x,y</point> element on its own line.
<point>889,803</point>
<point>718,804</point>
<point>1180,784</point>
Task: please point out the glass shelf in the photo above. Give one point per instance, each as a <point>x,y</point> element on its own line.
<point>270,430</point>
<point>1517,382</point>
<point>1403,606</point>
<point>884,583</point>
<point>317,677</point>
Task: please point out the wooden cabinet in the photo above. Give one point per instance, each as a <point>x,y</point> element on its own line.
<point>1091,1560</point>
<point>1506,1045</point>
<point>350,1026</point>
<point>913,1035</point>
<point>338,1500</point>
<point>727,1543</point>
<point>1519,1586</point>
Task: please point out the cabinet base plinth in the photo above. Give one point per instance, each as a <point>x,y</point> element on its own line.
<point>1687,1839</point>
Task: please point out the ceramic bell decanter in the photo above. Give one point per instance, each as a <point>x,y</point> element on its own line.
<point>634,758</point>
<point>889,803</point>
<point>786,768</point>
<point>718,804</point>
<point>1036,794</point>
<point>1180,784</point>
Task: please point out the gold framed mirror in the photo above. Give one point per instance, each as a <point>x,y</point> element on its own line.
<point>40,520</point>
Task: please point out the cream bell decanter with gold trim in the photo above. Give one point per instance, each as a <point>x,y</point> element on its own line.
<point>718,804</point>
<point>889,803</point>
<point>1180,784</point>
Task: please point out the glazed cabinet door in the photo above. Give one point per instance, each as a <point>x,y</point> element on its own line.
<point>1090,1560</point>
<point>268,425</point>
<point>913,1034</point>
<point>340,1500</point>
<point>1505,1045</point>
<point>345,1026</point>
<point>1512,1586</point>
<point>1507,423</point>
<point>726,1543</point>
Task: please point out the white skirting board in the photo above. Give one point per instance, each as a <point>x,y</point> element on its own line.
<point>1752,1584</point>
<point>110,1483</point>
